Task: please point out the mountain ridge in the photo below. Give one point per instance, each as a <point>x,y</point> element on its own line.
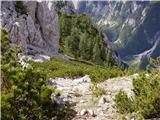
<point>126,24</point>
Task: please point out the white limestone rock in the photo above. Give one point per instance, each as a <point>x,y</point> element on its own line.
<point>83,112</point>
<point>91,112</point>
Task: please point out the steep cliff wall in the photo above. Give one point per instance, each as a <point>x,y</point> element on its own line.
<point>32,25</point>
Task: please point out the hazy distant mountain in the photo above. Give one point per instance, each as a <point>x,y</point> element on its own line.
<point>133,27</point>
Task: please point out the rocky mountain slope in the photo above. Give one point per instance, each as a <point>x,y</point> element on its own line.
<point>131,27</point>
<point>87,106</point>
<point>32,25</point>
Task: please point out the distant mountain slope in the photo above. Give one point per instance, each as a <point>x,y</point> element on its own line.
<point>130,26</point>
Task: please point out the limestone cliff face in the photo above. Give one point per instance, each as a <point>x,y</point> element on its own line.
<point>35,30</point>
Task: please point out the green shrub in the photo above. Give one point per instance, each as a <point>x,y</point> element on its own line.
<point>123,103</point>
<point>25,92</point>
<point>147,91</point>
<point>147,94</point>
<point>57,67</point>
<point>97,91</point>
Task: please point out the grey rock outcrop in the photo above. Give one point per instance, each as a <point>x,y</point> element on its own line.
<point>36,31</point>
<point>86,105</point>
<point>59,100</point>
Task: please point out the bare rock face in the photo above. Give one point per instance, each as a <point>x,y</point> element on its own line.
<point>36,31</point>
<point>86,105</point>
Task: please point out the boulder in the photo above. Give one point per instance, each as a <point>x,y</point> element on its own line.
<point>91,112</point>
<point>102,100</point>
<point>86,78</point>
<point>58,99</point>
<point>83,112</point>
<point>82,101</point>
<point>54,118</point>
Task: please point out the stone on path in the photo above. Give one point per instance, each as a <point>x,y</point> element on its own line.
<point>83,112</point>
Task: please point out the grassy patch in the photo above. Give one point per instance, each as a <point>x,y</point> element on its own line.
<point>57,67</point>
<point>97,91</point>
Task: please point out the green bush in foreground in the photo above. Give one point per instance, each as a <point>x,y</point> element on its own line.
<point>147,94</point>
<point>25,94</point>
<point>123,103</point>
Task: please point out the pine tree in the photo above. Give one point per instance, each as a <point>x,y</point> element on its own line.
<point>90,48</point>
<point>82,39</point>
<point>109,58</point>
<point>83,46</point>
<point>96,53</point>
<point>65,24</point>
<point>72,42</point>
